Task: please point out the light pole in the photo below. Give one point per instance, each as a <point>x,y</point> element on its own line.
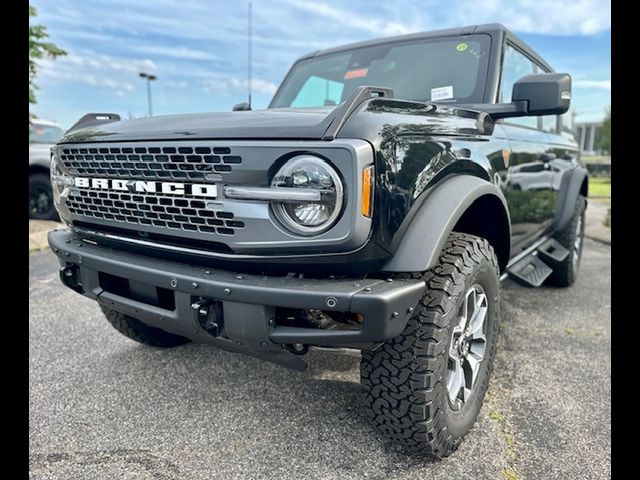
<point>149,79</point>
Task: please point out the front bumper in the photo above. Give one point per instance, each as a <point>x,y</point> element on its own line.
<point>248,302</point>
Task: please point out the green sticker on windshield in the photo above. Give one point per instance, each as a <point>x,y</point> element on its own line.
<point>461,47</point>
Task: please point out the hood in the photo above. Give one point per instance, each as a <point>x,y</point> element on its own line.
<point>276,123</point>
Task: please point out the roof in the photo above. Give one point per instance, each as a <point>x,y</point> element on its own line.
<point>493,29</point>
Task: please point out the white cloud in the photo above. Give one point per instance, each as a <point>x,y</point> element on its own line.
<point>577,17</point>
<point>182,53</point>
<point>600,84</point>
<point>353,19</point>
<point>228,84</point>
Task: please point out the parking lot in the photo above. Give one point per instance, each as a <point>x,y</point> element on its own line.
<point>103,407</point>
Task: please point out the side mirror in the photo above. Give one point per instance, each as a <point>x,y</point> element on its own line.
<point>545,93</point>
<point>534,95</point>
<point>241,107</point>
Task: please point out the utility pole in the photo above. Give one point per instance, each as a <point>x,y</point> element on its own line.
<point>149,79</point>
<point>249,59</point>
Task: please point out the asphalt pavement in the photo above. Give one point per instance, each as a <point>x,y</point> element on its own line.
<point>104,407</point>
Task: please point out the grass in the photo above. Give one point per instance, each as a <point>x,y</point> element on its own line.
<point>599,187</point>
<point>510,474</point>
<point>570,331</point>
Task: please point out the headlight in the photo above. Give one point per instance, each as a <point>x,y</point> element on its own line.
<point>309,217</point>
<point>59,180</point>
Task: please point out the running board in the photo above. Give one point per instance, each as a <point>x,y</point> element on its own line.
<point>530,270</point>
<point>552,251</point>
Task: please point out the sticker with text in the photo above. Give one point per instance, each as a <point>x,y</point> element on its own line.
<point>441,93</point>
<point>461,47</point>
<point>360,72</point>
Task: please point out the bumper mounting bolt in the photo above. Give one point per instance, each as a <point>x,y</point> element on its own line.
<point>79,259</point>
<point>239,277</point>
<point>195,285</point>
<point>410,310</point>
<point>66,254</point>
<point>207,272</point>
<point>367,289</point>
<point>227,291</point>
<point>394,315</point>
<point>173,283</point>
<point>263,344</point>
<point>389,280</point>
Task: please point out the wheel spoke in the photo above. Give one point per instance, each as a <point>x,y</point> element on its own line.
<point>473,359</point>
<point>467,346</point>
<point>476,324</point>
<point>455,381</point>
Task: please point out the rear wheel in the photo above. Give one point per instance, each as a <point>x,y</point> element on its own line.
<point>41,198</point>
<point>571,237</point>
<point>424,388</point>
<point>140,332</point>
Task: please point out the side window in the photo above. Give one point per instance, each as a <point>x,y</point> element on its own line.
<point>515,66</point>
<point>318,91</point>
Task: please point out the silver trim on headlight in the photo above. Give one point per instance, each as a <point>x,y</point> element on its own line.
<point>323,179</point>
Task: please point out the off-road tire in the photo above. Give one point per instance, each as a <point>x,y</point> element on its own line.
<point>565,273</point>
<point>405,379</point>
<point>140,332</point>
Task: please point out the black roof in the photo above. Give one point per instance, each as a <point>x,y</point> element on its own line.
<point>494,29</point>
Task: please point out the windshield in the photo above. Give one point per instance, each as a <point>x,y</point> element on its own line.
<point>39,133</point>
<point>445,69</point>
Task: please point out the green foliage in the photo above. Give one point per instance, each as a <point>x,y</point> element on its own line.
<point>603,134</point>
<point>599,186</point>
<point>39,48</point>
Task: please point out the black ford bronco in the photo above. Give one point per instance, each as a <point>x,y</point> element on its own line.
<point>375,205</point>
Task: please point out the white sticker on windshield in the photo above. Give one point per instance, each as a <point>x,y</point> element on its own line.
<point>441,93</point>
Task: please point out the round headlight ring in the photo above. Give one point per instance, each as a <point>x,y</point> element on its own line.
<point>319,174</point>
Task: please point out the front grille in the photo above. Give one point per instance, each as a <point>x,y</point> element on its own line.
<point>178,163</point>
<point>153,210</point>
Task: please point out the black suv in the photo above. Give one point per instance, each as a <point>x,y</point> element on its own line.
<point>375,205</point>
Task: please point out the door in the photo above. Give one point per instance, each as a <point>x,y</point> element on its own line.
<point>527,185</point>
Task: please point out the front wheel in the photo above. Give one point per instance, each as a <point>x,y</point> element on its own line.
<point>424,388</point>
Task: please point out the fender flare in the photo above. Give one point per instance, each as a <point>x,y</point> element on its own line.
<point>427,231</point>
<point>570,187</point>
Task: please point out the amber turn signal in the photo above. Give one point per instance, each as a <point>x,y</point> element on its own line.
<point>367,192</point>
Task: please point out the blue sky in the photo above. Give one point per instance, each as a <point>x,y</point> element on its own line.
<point>198,49</point>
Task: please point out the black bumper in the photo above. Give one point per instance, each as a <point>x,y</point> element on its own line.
<point>247,301</point>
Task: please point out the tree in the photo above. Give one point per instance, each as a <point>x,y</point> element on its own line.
<point>603,134</point>
<point>39,48</point>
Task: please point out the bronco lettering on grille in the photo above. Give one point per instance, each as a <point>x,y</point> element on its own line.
<point>143,186</point>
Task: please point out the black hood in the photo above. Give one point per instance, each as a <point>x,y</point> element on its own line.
<point>276,123</point>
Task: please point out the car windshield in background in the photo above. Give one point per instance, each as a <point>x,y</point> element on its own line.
<point>39,133</point>
<point>446,69</point>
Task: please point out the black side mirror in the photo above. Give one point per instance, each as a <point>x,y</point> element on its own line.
<point>241,107</point>
<point>534,95</point>
<point>545,93</point>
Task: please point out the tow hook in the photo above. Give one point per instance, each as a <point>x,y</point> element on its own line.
<point>70,276</point>
<point>209,316</point>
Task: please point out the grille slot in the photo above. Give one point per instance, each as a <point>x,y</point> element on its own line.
<point>190,215</point>
<point>179,163</point>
